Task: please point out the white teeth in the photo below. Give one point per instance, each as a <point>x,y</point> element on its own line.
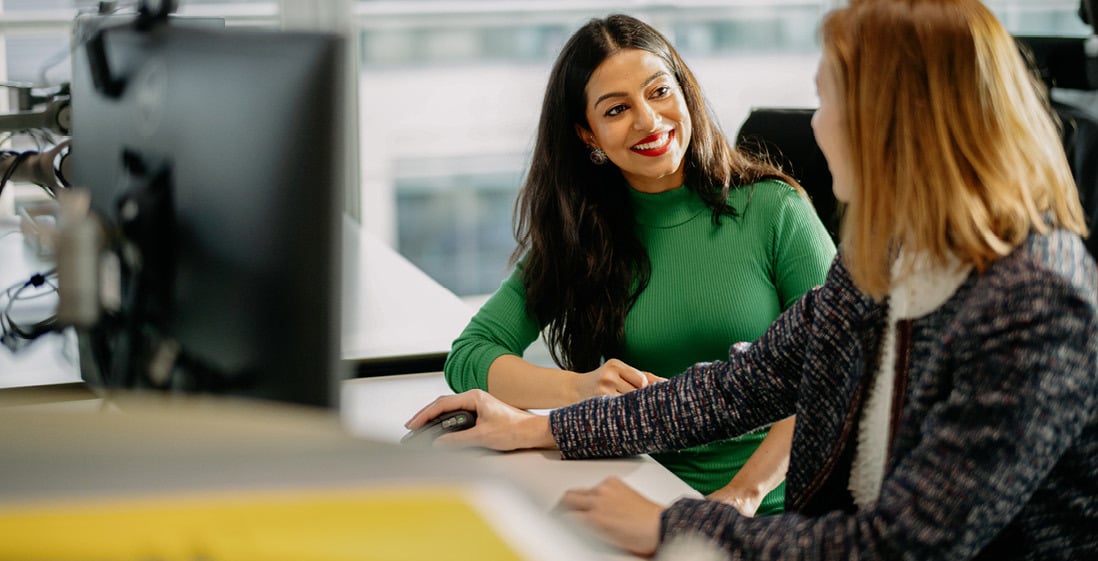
<point>654,144</point>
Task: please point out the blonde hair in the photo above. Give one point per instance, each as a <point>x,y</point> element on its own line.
<point>956,152</point>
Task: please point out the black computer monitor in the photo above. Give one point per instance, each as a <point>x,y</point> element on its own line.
<point>212,158</point>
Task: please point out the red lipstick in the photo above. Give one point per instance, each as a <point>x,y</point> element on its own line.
<point>653,151</point>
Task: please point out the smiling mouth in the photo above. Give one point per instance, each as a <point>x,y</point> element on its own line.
<point>656,144</point>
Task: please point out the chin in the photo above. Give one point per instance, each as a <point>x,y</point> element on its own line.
<point>841,191</point>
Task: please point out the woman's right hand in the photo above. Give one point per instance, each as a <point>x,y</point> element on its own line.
<point>614,377</point>
<point>499,426</point>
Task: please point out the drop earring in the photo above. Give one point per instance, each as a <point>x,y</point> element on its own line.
<point>598,157</point>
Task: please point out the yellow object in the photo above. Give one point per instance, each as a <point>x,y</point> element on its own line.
<point>336,524</point>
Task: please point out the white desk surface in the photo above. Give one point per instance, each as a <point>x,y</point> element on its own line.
<point>82,450</point>
<point>376,408</point>
<point>392,309</point>
<point>51,360</point>
<point>153,454</point>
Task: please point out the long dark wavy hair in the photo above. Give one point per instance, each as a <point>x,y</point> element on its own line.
<point>582,264</point>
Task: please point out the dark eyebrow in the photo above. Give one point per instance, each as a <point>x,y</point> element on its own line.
<point>650,79</point>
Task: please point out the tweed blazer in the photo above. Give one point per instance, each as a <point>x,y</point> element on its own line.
<point>993,449</point>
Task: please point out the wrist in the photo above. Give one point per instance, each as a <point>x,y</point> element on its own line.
<point>742,490</point>
<point>536,432</point>
<point>573,390</point>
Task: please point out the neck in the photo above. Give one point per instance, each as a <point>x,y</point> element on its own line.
<point>655,184</point>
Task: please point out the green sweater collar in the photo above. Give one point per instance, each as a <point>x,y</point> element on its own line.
<point>666,209</point>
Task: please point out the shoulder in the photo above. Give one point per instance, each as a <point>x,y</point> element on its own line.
<point>1057,260</point>
<point>767,194</point>
<point>783,212</point>
<point>768,191</point>
<point>1029,321</point>
<point>1048,281</point>
<point>770,197</point>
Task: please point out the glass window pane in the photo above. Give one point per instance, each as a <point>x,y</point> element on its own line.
<point>461,82</point>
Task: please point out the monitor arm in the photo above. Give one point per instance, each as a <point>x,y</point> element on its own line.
<point>150,13</point>
<point>56,117</point>
<point>48,169</point>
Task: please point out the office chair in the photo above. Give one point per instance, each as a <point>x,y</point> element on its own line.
<point>1079,133</point>
<point>1066,63</point>
<point>784,136</point>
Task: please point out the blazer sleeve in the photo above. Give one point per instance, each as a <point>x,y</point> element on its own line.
<point>1023,387</point>
<point>710,401</point>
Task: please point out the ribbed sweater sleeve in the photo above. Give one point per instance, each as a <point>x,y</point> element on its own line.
<point>802,249</point>
<point>501,326</point>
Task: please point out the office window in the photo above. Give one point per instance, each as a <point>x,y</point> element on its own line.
<point>36,32</point>
<point>1040,17</point>
<point>457,225</point>
<point>34,53</point>
<point>453,81</point>
<point>462,82</point>
<point>455,86</point>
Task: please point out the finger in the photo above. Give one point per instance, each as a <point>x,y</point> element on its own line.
<point>560,507</point>
<point>439,406</point>
<point>421,416</point>
<point>653,379</point>
<point>622,386</point>
<point>611,481</point>
<point>577,499</point>
<point>635,378</point>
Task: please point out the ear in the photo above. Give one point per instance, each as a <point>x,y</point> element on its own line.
<point>586,136</point>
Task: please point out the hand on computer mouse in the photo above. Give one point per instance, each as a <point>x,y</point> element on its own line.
<point>450,421</point>
<point>498,426</point>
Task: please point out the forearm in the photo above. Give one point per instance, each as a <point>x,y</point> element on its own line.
<point>529,386</point>
<point>502,326</point>
<point>537,432</point>
<point>646,420</point>
<point>763,471</point>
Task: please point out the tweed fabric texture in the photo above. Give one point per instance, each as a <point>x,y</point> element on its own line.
<point>994,437</point>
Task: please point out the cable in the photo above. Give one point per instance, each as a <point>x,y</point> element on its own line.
<point>18,159</point>
<point>15,335</point>
<point>55,59</point>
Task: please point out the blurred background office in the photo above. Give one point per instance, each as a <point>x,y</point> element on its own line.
<point>450,90</point>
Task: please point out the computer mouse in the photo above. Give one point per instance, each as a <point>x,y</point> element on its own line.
<point>450,421</point>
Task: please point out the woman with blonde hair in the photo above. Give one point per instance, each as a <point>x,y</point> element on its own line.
<point>944,377</point>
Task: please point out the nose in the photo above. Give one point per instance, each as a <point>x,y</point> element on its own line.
<point>646,117</point>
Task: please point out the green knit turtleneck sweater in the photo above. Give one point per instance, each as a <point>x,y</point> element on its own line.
<point>711,286</point>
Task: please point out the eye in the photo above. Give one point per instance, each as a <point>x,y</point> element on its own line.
<point>615,111</point>
<point>660,92</point>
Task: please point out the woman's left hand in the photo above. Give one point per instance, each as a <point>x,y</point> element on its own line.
<point>621,515</point>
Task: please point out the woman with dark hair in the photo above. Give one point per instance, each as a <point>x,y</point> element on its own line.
<point>647,243</point>
<point>944,377</point>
